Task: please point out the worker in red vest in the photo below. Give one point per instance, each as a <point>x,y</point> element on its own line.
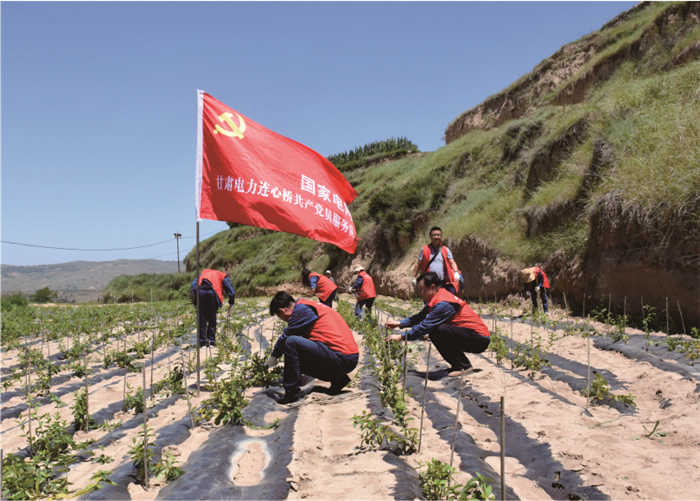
<point>452,325</point>
<point>437,258</point>
<point>321,286</point>
<point>317,342</point>
<point>534,281</point>
<point>364,288</point>
<point>212,285</point>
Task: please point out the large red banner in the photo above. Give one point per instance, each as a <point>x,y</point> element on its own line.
<point>248,174</point>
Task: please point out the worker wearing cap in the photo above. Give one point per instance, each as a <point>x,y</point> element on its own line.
<point>212,285</point>
<point>534,281</point>
<point>328,274</point>
<point>454,328</point>
<point>437,258</point>
<point>321,286</point>
<point>364,288</point>
<point>317,342</point>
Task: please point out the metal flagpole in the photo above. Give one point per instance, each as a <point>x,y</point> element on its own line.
<point>198,308</point>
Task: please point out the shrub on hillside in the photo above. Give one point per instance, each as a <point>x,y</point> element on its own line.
<point>15,300</point>
<point>45,295</point>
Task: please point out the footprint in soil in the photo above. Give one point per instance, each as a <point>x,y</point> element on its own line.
<point>249,462</point>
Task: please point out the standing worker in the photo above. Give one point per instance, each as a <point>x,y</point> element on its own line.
<point>364,288</point>
<point>317,342</point>
<point>212,285</point>
<point>437,258</point>
<point>321,286</point>
<point>454,328</point>
<point>328,274</point>
<point>534,281</point>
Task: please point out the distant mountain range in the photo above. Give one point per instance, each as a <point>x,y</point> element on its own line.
<point>77,275</point>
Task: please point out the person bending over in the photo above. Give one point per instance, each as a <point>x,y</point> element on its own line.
<point>317,342</point>
<point>320,286</point>
<point>364,287</point>
<point>454,328</point>
<point>534,281</point>
<point>212,285</point>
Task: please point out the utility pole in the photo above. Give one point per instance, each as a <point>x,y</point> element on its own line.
<point>178,236</point>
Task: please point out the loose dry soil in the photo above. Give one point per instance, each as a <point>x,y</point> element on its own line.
<point>556,446</point>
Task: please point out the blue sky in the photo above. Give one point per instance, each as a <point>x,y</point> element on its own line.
<point>99,98</point>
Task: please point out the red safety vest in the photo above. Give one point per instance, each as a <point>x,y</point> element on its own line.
<point>546,282</point>
<point>324,286</point>
<point>447,273</point>
<point>465,316</point>
<point>331,329</point>
<point>216,279</point>
<point>367,289</point>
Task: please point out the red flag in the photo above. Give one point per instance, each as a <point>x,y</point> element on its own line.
<point>248,174</point>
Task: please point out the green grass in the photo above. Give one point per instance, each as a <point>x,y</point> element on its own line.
<point>644,117</point>
<point>256,258</point>
<point>165,287</point>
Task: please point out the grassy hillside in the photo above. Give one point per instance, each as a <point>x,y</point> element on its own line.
<point>529,186</point>
<point>595,150</point>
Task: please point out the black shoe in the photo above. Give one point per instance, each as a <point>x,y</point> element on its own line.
<point>290,399</point>
<point>338,384</point>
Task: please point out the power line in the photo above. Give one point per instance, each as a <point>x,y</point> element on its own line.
<point>87,250</point>
<point>99,250</point>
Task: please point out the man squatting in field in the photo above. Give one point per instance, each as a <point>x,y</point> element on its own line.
<point>454,328</point>
<point>321,286</point>
<point>437,258</point>
<point>317,342</point>
<point>364,287</point>
<point>534,281</point>
<point>212,284</point>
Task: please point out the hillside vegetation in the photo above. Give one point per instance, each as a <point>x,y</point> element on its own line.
<point>587,166</point>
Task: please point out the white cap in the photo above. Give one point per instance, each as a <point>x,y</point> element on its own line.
<point>328,272</point>
<point>358,270</point>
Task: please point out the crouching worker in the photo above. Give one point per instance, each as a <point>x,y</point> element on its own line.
<point>364,287</point>
<point>452,325</point>
<point>534,281</point>
<point>317,342</point>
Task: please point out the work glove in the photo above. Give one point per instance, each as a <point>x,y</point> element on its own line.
<point>413,282</point>
<point>537,289</point>
<point>271,362</point>
<point>457,276</point>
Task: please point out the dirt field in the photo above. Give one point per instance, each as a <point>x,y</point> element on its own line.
<point>556,446</point>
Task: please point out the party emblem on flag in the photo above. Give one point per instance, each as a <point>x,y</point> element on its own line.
<point>235,131</point>
<point>268,180</point>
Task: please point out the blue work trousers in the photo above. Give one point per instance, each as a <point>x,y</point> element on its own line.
<point>329,301</point>
<point>207,316</point>
<point>315,359</point>
<point>533,294</point>
<point>367,303</point>
<point>454,342</point>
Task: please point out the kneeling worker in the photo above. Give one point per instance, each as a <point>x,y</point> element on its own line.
<point>317,342</point>
<point>364,287</point>
<point>452,325</point>
<point>321,286</point>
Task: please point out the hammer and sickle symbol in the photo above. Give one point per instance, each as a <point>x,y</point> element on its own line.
<point>235,130</point>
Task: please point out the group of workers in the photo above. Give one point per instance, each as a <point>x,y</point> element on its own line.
<point>317,341</point>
